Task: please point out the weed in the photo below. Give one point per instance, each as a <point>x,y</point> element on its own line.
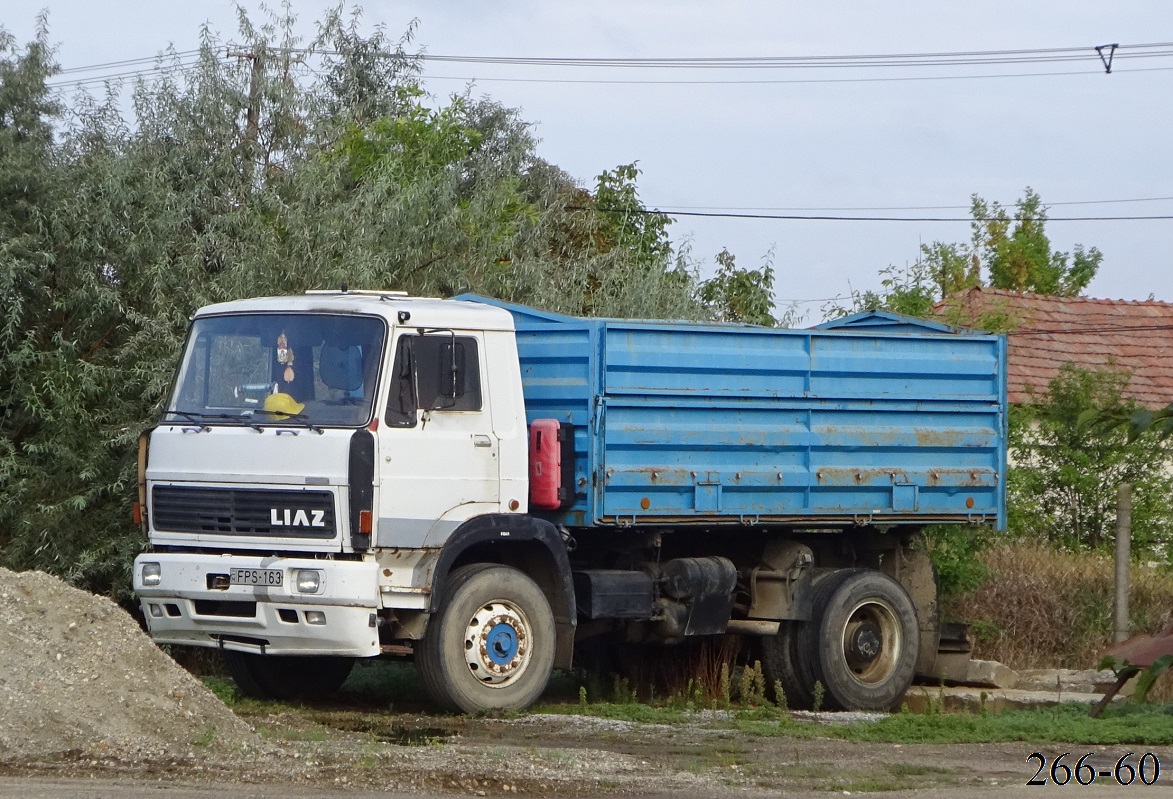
<point>780,697</point>
<point>724,687</point>
<point>621,691</point>
<point>205,738</point>
<point>819,692</point>
<point>225,690</point>
<point>751,685</point>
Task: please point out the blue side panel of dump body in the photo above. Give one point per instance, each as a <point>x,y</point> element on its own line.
<point>876,418</point>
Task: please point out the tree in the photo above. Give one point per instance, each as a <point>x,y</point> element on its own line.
<point>1004,252</point>
<point>1017,254</point>
<point>1063,483</point>
<point>246,177</point>
<point>735,294</point>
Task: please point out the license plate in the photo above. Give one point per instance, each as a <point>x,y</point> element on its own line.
<point>255,576</point>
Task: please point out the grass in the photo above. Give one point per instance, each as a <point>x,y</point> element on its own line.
<point>1069,723</point>
<point>224,689</point>
<point>1148,724</point>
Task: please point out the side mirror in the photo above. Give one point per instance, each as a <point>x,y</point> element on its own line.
<point>451,371</point>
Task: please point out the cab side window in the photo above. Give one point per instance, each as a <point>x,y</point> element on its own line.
<point>437,372</point>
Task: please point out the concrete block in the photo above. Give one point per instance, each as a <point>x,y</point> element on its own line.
<point>990,674</point>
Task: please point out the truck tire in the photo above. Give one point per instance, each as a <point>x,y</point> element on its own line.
<point>788,657</point>
<point>491,644</point>
<point>863,644</point>
<point>289,676</point>
<point>780,665</point>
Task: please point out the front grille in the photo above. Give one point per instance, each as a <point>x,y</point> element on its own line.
<point>243,511</point>
<point>208,607</point>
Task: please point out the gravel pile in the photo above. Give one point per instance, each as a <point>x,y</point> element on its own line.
<point>78,675</point>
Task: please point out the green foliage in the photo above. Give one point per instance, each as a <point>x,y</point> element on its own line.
<point>246,177</point>
<point>1004,252</point>
<point>1145,676</point>
<point>740,295</point>
<point>1017,253</point>
<point>954,550</point>
<point>1149,675</point>
<point>1063,484</point>
<point>626,222</point>
<point>225,690</point>
<point>940,271</point>
<point>1136,422</point>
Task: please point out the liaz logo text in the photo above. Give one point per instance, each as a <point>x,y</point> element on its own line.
<point>288,517</point>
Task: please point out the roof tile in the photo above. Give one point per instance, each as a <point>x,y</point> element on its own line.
<point>1136,335</point>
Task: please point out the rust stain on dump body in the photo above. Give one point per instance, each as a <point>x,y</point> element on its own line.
<point>840,476</point>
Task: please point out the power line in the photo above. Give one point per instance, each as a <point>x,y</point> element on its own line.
<point>1088,55</point>
<point>902,207</point>
<point>870,60</point>
<point>127,62</point>
<point>788,81</point>
<point>833,218</point>
<point>179,66</point>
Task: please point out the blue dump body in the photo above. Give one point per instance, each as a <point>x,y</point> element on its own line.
<point>876,418</point>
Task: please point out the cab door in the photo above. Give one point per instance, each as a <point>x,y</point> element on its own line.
<point>439,450</point>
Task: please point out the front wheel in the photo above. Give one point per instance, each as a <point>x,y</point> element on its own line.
<point>491,645</point>
<point>864,642</point>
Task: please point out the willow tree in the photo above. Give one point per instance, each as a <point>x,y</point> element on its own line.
<point>288,166</point>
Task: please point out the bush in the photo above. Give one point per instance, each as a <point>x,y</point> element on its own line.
<point>1041,608</point>
<point>1065,474</point>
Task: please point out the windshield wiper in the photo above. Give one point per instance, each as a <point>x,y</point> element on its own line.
<point>194,418</point>
<point>201,418</point>
<point>296,417</point>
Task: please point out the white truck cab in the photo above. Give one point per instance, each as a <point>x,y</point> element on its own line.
<point>315,456</point>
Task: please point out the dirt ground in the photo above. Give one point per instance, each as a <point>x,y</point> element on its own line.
<point>89,707</point>
<point>327,748</point>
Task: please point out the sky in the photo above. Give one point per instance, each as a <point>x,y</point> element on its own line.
<point>860,141</point>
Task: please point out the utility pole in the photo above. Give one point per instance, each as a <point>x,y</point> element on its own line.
<point>1123,558</point>
<point>253,112</point>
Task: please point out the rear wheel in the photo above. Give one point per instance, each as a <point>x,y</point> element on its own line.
<point>491,645</point>
<point>289,676</point>
<point>780,665</point>
<point>864,643</point>
<point>790,656</point>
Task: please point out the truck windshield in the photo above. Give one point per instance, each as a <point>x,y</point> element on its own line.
<point>259,369</point>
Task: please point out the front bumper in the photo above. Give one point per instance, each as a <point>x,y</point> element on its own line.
<point>184,609</point>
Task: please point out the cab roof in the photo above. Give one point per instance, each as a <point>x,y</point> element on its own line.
<point>421,311</point>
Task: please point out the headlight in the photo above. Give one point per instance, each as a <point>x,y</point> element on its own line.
<point>152,573</point>
<point>309,581</point>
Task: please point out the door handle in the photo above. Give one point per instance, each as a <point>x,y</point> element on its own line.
<point>482,441</point>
